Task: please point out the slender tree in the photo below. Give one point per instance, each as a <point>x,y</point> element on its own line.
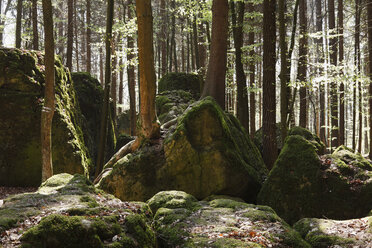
<point>132,78</point>
<point>269,105</point>
<point>48,108</point>
<point>302,63</point>
<point>149,126</point>
<point>18,38</point>
<point>35,32</point>
<point>70,33</point>
<point>163,37</point>
<point>333,86</point>
<point>340,14</point>
<point>105,108</point>
<point>2,20</point>
<point>237,16</point>
<point>216,73</point>
<point>369,15</point>
<point>252,64</point>
<point>357,65</point>
<point>88,38</point>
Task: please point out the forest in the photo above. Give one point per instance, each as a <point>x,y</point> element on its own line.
<point>182,123</point>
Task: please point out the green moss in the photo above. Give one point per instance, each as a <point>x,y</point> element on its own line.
<point>92,203</point>
<point>140,231</point>
<point>181,81</point>
<point>55,230</point>
<point>171,199</point>
<point>309,136</point>
<point>347,160</point>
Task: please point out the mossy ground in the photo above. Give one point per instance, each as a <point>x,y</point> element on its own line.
<point>21,98</point>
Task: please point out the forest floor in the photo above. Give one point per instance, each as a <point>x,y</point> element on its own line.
<point>5,192</point>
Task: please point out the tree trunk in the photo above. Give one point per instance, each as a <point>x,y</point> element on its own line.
<point>283,69</point>
<point>163,38</point>
<point>196,47</point>
<point>357,65</point>
<point>70,33</point>
<point>48,108</point>
<point>149,126</point>
<point>270,151</point>
<point>237,16</point>
<point>302,63</point>
<point>88,38</point>
<point>319,42</point>
<point>216,74</point>
<point>132,80</point>
<point>101,73</point>
<point>369,14</point>
<point>341,60</point>
<point>252,83</point>
<point>18,38</point>
<point>105,108</point>
<point>35,33</point>
<point>114,75</point>
<point>333,93</point>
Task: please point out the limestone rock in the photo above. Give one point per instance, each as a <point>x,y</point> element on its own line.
<point>207,152</point>
<point>302,184</point>
<point>220,223</point>
<point>21,100</point>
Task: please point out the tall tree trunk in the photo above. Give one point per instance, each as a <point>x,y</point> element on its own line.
<point>163,37</point>
<point>216,74</point>
<point>319,42</point>
<point>35,33</point>
<point>252,83</point>
<point>75,30</point>
<point>114,75</point>
<point>101,73</point>
<point>283,69</point>
<point>18,38</point>
<point>106,100</point>
<point>88,38</point>
<point>2,21</point>
<point>341,60</point>
<point>195,45</point>
<point>237,16</point>
<point>48,109</point>
<point>70,33</point>
<point>369,14</point>
<point>357,65</point>
<point>132,80</point>
<point>333,58</point>
<point>302,63</point>
<point>270,151</point>
<point>149,126</point>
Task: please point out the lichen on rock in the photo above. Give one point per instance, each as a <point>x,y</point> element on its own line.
<point>21,97</point>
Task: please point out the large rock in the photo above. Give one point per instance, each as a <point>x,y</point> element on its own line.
<point>89,94</point>
<point>323,233</point>
<point>181,221</point>
<point>21,100</point>
<point>192,83</point>
<point>67,211</point>
<point>206,152</point>
<point>302,184</point>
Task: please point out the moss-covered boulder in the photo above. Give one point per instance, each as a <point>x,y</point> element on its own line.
<point>21,99</point>
<point>192,83</point>
<point>67,211</point>
<point>323,233</point>
<point>207,152</point>
<point>258,138</point>
<point>302,184</point>
<point>89,94</point>
<point>122,140</point>
<point>172,104</point>
<point>181,221</point>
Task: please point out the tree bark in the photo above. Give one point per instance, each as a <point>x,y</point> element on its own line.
<point>132,80</point>
<point>302,63</point>
<point>18,38</point>
<point>252,64</point>
<point>88,38</point>
<point>196,47</point>
<point>105,108</point>
<point>149,125</point>
<point>48,108</point>
<point>333,61</point>
<point>357,65</point>
<point>341,60</point>
<point>216,74</point>
<point>35,33</point>
<point>369,14</point>
<point>270,151</point>
<point>237,17</point>
<point>70,33</point>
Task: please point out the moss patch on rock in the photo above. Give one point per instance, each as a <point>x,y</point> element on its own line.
<point>207,152</point>
<point>89,94</point>
<point>21,97</point>
<point>223,223</point>
<point>192,83</point>
<point>300,181</point>
<point>330,233</point>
